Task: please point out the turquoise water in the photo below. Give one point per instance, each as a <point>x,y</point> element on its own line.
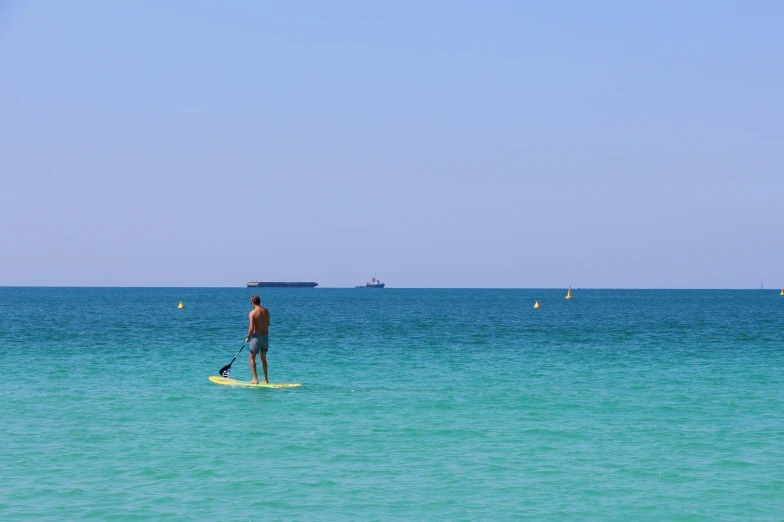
<point>438,404</point>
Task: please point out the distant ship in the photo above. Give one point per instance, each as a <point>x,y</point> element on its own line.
<point>281,284</point>
<point>374,283</point>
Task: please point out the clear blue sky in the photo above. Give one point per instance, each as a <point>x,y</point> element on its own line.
<point>445,144</point>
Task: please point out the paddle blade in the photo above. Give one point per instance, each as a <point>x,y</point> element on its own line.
<point>226,370</point>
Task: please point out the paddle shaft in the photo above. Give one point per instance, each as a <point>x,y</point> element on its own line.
<point>236,354</point>
<point>228,366</point>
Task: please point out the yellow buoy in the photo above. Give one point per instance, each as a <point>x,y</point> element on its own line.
<point>569,293</point>
<point>181,305</point>
<point>782,291</point>
<point>536,304</point>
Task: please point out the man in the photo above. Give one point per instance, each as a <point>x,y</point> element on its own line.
<point>258,335</point>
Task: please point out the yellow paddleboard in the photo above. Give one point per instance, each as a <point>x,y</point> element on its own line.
<point>233,382</point>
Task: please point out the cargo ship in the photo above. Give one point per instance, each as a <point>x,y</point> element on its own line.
<point>281,284</point>
<point>374,283</point>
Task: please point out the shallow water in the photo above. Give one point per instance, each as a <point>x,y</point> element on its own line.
<point>440,404</point>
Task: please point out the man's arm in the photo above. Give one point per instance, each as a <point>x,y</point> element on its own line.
<point>250,328</point>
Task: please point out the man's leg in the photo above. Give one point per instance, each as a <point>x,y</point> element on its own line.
<point>253,367</point>
<point>263,356</point>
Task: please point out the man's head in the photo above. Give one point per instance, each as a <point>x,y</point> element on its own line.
<point>256,300</point>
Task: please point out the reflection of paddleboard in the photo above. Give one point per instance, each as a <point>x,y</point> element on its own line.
<point>233,382</point>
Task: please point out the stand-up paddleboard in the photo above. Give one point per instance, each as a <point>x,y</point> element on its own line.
<point>234,382</point>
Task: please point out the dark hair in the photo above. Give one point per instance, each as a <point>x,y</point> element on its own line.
<point>255,300</point>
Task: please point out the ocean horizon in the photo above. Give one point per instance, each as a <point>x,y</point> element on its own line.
<point>620,289</point>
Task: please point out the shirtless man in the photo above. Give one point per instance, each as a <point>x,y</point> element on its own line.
<point>258,335</point>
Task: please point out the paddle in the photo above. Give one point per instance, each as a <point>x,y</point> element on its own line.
<point>226,370</point>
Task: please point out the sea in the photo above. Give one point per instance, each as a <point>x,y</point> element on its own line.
<point>414,405</point>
